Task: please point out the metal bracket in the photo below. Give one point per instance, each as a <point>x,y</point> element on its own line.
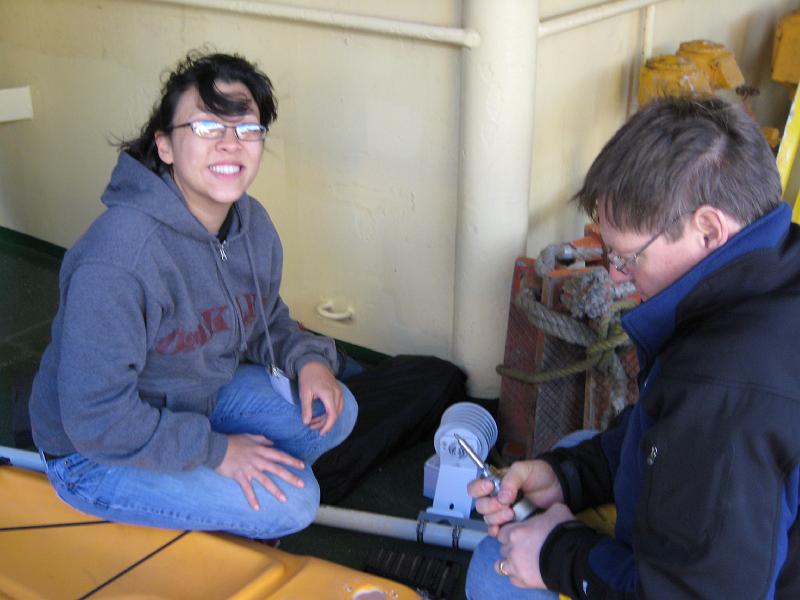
<point>458,526</point>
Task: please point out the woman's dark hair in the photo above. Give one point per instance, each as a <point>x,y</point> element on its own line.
<point>678,154</point>
<point>201,70</point>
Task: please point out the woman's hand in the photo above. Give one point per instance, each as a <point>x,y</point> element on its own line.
<point>317,382</point>
<point>536,480</point>
<point>248,457</point>
<point>521,544</point>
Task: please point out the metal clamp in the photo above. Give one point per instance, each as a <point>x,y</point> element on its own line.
<point>456,535</point>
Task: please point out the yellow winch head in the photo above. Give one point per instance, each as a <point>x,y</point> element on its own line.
<point>670,75</point>
<point>715,61</point>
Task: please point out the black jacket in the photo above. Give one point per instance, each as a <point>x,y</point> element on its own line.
<point>704,469</point>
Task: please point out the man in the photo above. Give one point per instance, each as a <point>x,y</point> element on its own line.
<point>704,468</point>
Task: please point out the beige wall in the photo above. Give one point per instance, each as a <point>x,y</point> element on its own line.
<point>361,169</point>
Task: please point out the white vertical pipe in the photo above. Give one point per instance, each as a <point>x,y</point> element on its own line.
<point>647,25</point>
<point>647,32</point>
<point>497,102</point>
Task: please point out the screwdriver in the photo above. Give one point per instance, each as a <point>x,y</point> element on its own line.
<point>522,509</point>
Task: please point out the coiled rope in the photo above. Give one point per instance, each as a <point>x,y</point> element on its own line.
<point>591,294</point>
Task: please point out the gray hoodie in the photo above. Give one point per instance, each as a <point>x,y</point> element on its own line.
<point>155,315</point>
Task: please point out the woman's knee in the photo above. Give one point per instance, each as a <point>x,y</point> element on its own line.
<point>302,504</point>
<point>347,417</point>
<point>276,519</point>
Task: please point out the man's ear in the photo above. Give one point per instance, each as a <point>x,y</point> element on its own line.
<point>713,227</point>
<point>164,147</point>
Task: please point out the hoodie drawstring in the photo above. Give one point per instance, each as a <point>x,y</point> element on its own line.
<point>260,302</point>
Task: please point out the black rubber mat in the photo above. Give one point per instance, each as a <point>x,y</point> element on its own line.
<point>433,577</point>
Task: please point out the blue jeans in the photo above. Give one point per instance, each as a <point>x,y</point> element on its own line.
<point>483,582</point>
<point>201,499</point>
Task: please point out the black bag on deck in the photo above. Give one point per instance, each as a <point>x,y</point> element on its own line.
<point>21,383</point>
<point>400,402</point>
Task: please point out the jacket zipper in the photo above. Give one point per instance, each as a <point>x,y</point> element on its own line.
<point>236,316</point>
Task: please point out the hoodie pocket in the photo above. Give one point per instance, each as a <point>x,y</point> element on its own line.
<point>196,400</point>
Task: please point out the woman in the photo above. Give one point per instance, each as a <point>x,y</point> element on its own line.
<point>175,380</point>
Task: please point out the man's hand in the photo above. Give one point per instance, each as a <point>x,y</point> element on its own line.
<point>247,458</point>
<point>536,480</point>
<point>521,544</point>
<point>317,382</point>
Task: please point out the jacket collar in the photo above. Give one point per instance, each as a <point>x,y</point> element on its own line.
<point>652,323</point>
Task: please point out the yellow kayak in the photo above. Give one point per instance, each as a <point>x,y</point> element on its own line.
<point>51,551</point>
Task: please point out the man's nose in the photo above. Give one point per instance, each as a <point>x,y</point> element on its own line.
<point>618,277</point>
